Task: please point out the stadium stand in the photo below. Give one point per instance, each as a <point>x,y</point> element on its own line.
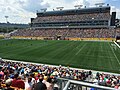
<point>66,34</point>
<point>76,17</point>
<point>118,32</point>
<point>75,24</point>
<point>26,76</point>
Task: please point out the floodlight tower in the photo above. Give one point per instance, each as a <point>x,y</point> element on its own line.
<point>6,19</point>
<point>7,22</point>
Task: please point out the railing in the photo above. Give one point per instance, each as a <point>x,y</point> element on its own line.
<point>93,26</point>
<point>66,84</point>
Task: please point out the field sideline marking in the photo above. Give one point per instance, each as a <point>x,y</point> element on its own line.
<point>114,54</point>
<point>98,56</point>
<point>81,49</point>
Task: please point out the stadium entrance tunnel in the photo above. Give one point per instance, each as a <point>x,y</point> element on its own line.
<point>59,37</point>
<point>117,38</point>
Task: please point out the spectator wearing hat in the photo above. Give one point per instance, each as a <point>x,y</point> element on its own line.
<point>48,83</point>
<point>8,83</point>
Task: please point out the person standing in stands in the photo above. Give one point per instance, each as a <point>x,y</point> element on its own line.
<point>14,84</point>
<point>40,85</point>
<point>18,82</point>
<point>8,83</point>
<point>28,84</point>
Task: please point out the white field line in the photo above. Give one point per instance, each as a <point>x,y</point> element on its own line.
<point>117,44</point>
<point>81,49</point>
<point>114,55</point>
<point>98,56</point>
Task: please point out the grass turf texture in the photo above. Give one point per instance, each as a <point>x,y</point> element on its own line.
<point>81,54</point>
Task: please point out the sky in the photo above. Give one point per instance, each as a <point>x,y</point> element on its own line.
<point>20,11</point>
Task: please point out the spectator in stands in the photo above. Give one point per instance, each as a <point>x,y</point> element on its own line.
<point>55,85</point>
<point>14,82</point>
<point>0,84</point>
<point>20,83</point>
<point>48,83</point>
<point>8,83</point>
<point>40,85</point>
<point>28,84</point>
<point>66,33</point>
<point>33,76</point>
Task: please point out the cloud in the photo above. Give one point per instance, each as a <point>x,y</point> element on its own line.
<point>33,5</point>
<point>93,2</point>
<point>58,3</point>
<point>118,13</point>
<point>117,10</point>
<point>20,11</point>
<point>71,3</point>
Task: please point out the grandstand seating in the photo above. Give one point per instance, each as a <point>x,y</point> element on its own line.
<point>67,33</point>
<point>75,24</point>
<point>12,72</point>
<point>76,17</point>
<point>118,32</point>
<point>83,17</point>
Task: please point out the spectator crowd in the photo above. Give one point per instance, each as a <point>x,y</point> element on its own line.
<point>67,33</point>
<point>76,17</point>
<point>28,76</point>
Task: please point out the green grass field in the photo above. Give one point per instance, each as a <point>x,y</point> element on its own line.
<point>119,43</point>
<point>81,54</point>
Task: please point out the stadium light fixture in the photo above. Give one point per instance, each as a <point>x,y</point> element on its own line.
<point>78,6</point>
<point>43,9</point>
<point>99,4</point>
<point>59,8</point>
<point>96,4</point>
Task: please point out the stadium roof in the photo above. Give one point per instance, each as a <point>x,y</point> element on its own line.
<point>75,11</point>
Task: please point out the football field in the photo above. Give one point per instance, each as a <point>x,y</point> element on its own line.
<point>102,56</point>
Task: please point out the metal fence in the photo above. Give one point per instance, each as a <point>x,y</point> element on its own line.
<point>66,84</point>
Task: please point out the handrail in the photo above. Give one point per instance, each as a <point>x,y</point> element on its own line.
<point>85,84</point>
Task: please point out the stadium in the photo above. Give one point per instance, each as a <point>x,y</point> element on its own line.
<point>84,39</point>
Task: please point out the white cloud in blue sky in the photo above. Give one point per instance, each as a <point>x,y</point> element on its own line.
<point>32,5</point>
<point>20,11</point>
